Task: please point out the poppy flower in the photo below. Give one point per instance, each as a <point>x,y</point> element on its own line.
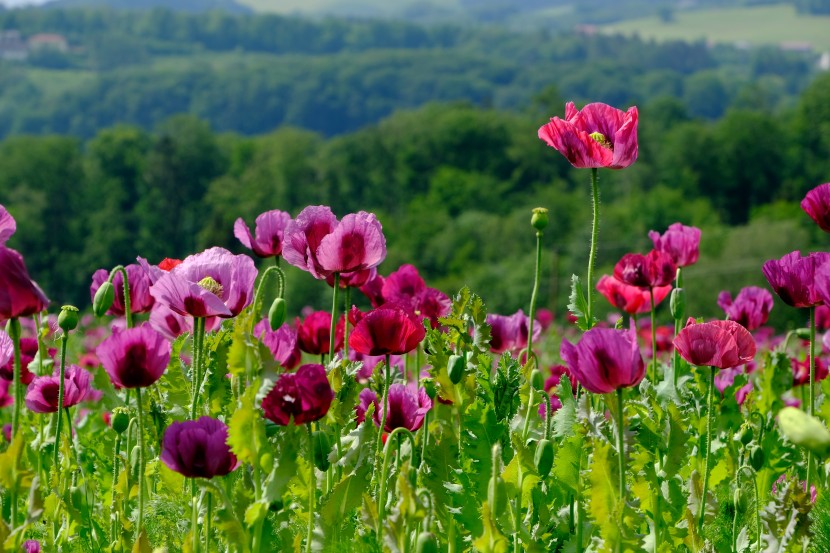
<point>797,279</point>
<point>555,405</point>
<point>6,398</point>
<point>314,333</point>
<point>596,136</point>
<point>355,279</point>
<point>555,373</point>
<point>663,333</point>
<point>646,271</point>
<point>369,362</point>
<point>172,325</point>
<point>750,308</point>
<point>304,396</point>
<point>631,299</point>
<point>282,343</point>
<point>373,290</point>
<point>720,344</point>
<point>817,205</point>
<point>316,242</point>
<point>801,370</point>
<point>214,282</point>
<point>8,226</point>
<point>407,406</point>
<point>509,332</point>
<point>20,296</point>
<point>198,449</point>
<point>545,318</point>
<point>406,287</point>
<point>140,299</point>
<point>135,357</point>
<point>605,360</point>
<point>681,242</point>
<point>742,392</point>
<point>28,352</point>
<point>31,546</point>
<point>388,329</point>
<point>42,395</point>
<point>822,317</point>
<point>269,232</point>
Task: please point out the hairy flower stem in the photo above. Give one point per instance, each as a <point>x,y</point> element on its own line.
<point>312,489</point>
<point>127,308</point>
<point>811,404</point>
<point>61,387</point>
<point>383,407</point>
<point>333,327</point>
<point>709,408</point>
<point>196,382</point>
<point>347,304</point>
<point>653,375</point>
<point>678,326</point>
<point>141,460</point>
<point>208,516</point>
<point>116,454</point>
<point>258,293</point>
<point>13,330</point>
<point>621,454</point>
<point>395,438</point>
<point>536,279</point>
<point>594,232</point>
<point>194,516</point>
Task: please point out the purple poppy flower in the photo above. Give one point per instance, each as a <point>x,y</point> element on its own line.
<point>42,395</point>
<point>8,225</point>
<point>355,279</point>
<point>316,242</point>
<point>797,280</point>
<point>742,392</point>
<point>31,546</point>
<point>28,351</point>
<point>509,332</point>
<point>267,240</point>
<point>817,205</point>
<point>212,283</point>
<point>682,243</point>
<point>135,357</point>
<point>597,136</point>
<point>304,396</point>
<point>407,407</point>
<point>366,398</point>
<point>646,271</point>
<point>140,299</point>
<point>281,342</point>
<point>750,309</point>
<point>20,296</point>
<point>198,449</point>
<point>373,290</point>
<point>172,325</point>
<point>605,360</point>
<point>726,378</point>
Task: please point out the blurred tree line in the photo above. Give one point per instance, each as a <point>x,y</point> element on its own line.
<point>452,183</point>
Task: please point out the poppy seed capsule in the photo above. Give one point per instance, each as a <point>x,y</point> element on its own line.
<point>744,435</point>
<point>120,420</point>
<point>455,368</point>
<point>756,457</point>
<point>103,299</point>
<point>427,543</point>
<point>276,314</point>
<point>543,457</point>
<point>68,318</point>
<point>539,219</point>
<point>804,430</point>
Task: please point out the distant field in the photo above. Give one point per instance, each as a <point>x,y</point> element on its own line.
<point>357,7</point>
<point>754,25</point>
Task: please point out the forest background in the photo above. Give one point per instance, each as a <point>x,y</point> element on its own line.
<point>155,129</point>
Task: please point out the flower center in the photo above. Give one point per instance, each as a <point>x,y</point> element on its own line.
<point>600,139</point>
<point>210,284</point>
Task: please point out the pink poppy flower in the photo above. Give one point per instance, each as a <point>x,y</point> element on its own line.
<point>407,406</point>
<point>282,343</point>
<point>269,231</point>
<point>646,271</point>
<point>406,288</point>
<point>135,357</point>
<point>721,344</point>
<point>8,226</point>
<point>509,332</point>
<point>198,449</point>
<point>389,329</point>
<point>42,395</point>
<point>597,136</point>
<point>355,279</point>
<point>750,309</point>
<point>172,325</point>
<point>140,299</point>
<point>304,396</point>
<point>682,243</point>
<point>631,299</point>
<point>555,405</point>
<point>605,360</point>
<point>6,398</point>
<point>743,392</point>
<point>31,546</point>
<point>798,280</point>
<point>817,205</point>
<point>371,361</point>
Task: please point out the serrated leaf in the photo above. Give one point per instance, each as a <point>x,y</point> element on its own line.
<point>578,305</point>
<point>345,497</point>
<point>564,420</point>
<point>246,431</point>
<point>566,463</point>
<point>604,506</point>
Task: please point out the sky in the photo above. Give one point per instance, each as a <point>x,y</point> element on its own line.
<point>13,3</point>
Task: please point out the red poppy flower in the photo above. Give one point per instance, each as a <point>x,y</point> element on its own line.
<point>389,329</point>
<point>314,333</point>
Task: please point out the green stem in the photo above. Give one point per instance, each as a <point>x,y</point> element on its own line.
<point>61,387</point>
<point>208,516</point>
<point>113,512</point>
<point>258,293</point>
<point>13,330</point>
<point>653,337</point>
<point>594,233</point>
<point>348,293</point>
<point>678,326</point>
<point>383,408</point>
<point>141,459</point>
<point>536,279</point>
<point>709,408</point>
<point>621,451</point>
<point>418,366</point>
<point>394,438</point>
<point>812,387</point>
<point>194,516</point>
<point>312,491</point>
<point>333,327</point>
<point>198,344</point>
<point>127,307</point>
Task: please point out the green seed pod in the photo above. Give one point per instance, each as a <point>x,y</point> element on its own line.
<point>103,299</point>
<point>804,430</point>
<point>455,367</point>
<point>68,318</point>
<point>537,381</point>
<point>744,435</point>
<point>427,543</point>
<point>756,457</point>
<point>276,314</point>
<point>266,461</point>
<point>677,303</point>
<point>543,457</point>
<point>322,447</point>
<point>120,419</point>
<point>539,219</point>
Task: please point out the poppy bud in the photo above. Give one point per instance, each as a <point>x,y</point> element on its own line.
<point>427,543</point>
<point>322,447</point>
<point>266,461</point>
<point>543,457</point>
<point>537,381</point>
<point>429,387</point>
<point>276,315</point>
<point>539,219</point>
<point>756,457</point>
<point>103,299</point>
<point>744,435</point>
<point>804,430</point>
<point>737,499</point>
<point>455,367</point>
<point>496,493</point>
<point>13,328</point>
<point>68,318</point>
<point>677,303</point>
<point>120,419</point>
<point>802,333</point>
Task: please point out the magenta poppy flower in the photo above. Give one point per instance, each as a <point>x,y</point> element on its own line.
<point>822,317</point>
<point>304,396</point>
<point>509,332</point>
<point>750,309</point>
<point>28,351</point>
<point>389,329</point>
<point>135,357</point>
<point>605,360</point>
<point>407,407</point>
<point>631,299</point>
<point>373,290</point>
<point>267,240</point>
<point>817,205</point>
<point>212,283</point>
<point>198,449</point>
<point>8,226</point>
<point>366,398</point>
<point>314,333</point>
<point>742,392</point>
<point>682,243</point>
<point>31,546</point>
<point>721,344</point>
<point>597,136</point>
<point>172,325</point>
<point>725,378</point>
<point>42,395</point>
<point>282,343</point>
<point>406,288</point>
<point>555,373</point>
<point>369,362</point>
<point>801,370</point>
<point>20,296</point>
<point>6,398</point>
<point>316,242</point>
<point>140,299</point>
<point>355,279</point>
<point>797,280</point>
<point>545,318</point>
<point>646,271</point>
<point>664,335</point>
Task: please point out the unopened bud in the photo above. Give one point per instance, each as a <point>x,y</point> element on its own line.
<point>120,419</point>
<point>537,381</point>
<point>429,387</point>
<point>756,457</point>
<point>804,430</point>
<point>13,328</point>
<point>539,219</point>
<point>427,543</point>
<point>543,457</point>
<point>276,315</point>
<point>322,447</point>
<point>68,318</point>
<point>103,299</point>
<point>455,368</point>
<point>802,333</point>
<point>677,302</point>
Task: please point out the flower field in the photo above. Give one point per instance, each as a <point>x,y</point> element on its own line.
<point>183,409</point>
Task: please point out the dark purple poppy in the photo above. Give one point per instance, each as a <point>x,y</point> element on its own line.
<point>509,332</point>
<point>267,240</point>
<point>750,308</point>
<point>304,396</point>
<point>721,344</point>
<point>135,357</point>
<point>198,449</point>
<point>389,329</point>
<point>605,360</point>
<point>314,333</point>
<point>140,299</point>
<point>42,395</point>
<point>817,205</point>
<point>797,280</point>
<point>373,289</point>
<point>281,342</point>
<point>682,243</point>
<point>597,136</point>
<point>646,271</point>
